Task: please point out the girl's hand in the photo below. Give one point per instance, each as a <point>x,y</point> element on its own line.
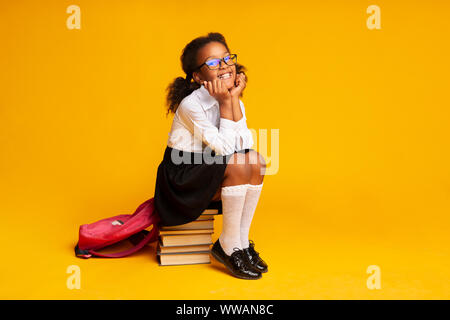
<point>218,91</point>
<point>239,86</point>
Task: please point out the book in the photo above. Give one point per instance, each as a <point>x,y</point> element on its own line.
<point>183,258</point>
<point>192,231</point>
<point>196,225</point>
<point>172,240</point>
<point>187,243</point>
<point>205,217</point>
<point>210,212</point>
<point>182,249</point>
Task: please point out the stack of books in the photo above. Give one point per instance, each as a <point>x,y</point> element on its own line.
<point>187,243</point>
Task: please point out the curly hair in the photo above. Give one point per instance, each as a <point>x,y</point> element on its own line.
<point>182,87</point>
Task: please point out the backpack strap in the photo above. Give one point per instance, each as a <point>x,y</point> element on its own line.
<point>149,237</point>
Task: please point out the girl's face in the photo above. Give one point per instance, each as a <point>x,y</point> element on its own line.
<point>211,51</point>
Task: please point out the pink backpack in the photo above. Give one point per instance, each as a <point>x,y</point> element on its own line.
<point>105,232</point>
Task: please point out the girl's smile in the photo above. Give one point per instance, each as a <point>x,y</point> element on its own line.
<point>227,76</point>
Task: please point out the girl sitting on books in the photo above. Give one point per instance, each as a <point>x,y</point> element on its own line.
<point>208,155</point>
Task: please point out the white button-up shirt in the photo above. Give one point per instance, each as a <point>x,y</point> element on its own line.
<point>197,124</point>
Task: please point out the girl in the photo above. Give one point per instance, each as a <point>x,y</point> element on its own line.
<point>208,115</point>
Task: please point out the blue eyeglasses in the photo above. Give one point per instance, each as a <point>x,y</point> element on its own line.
<point>215,63</point>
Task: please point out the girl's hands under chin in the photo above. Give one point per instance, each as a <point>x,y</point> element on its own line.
<point>218,91</point>
<point>239,86</point>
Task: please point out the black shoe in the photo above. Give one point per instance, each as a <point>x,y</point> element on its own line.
<point>235,263</point>
<point>253,259</point>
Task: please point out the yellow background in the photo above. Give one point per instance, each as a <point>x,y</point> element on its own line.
<point>363,117</point>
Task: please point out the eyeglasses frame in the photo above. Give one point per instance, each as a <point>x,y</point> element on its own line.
<point>220,62</point>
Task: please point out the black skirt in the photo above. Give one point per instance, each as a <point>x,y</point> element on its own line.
<point>186,182</point>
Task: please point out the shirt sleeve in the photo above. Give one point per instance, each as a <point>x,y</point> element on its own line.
<point>244,137</point>
<point>222,140</point>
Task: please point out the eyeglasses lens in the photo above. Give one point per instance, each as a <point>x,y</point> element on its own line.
<point>214,63</point>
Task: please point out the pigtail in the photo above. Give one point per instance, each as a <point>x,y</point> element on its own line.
<point>177,91</point>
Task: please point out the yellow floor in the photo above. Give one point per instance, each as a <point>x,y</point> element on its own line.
<point>305,261</point>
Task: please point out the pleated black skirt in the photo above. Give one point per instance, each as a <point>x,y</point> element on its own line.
<point>186,183</point>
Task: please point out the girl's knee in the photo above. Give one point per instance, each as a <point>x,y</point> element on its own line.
<point>238,168</point>
<point>256,162</point>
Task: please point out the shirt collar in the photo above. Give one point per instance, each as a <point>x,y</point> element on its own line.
<point>206,100</point>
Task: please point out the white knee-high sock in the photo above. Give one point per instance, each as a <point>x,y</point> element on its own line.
<point>233,198</point>
<point>251,200</point>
